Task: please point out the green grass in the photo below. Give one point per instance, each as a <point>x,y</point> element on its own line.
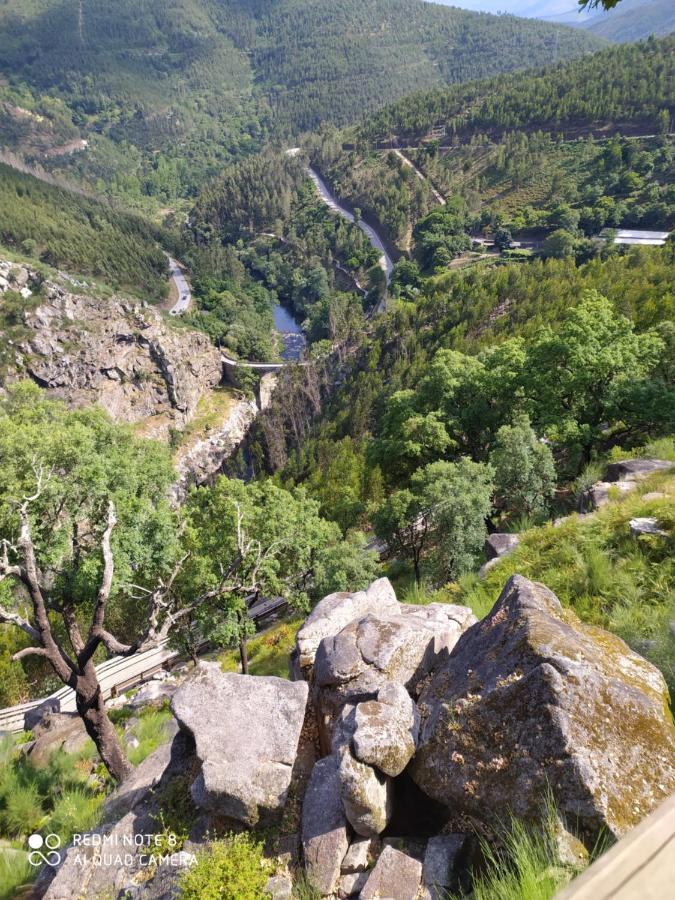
<point>595,567</point>
<point>66,795</point>
<point>151,731</point>
<point>527,868</point>
<point>231,869</point>
<point>268,653</point>
<point>15,871</point>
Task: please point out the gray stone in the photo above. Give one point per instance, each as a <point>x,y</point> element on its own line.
<point>152,692</point>
<point>331,614</point>
<point>372,651</point>
<point>440,862</point>
<point>598,495</point>
<point>246,731</point>
<point>33,717</point>
<point>653,495</point>
<point>635,469</point>
<point>360,855</point>
<point>56,731</point>
<point>352,884</point>
<point>533,700</point>
<point>87,872</point>
<point>324,826</point>
<point>280,887</point>
<point>396,876</point>
<point>500,544</point>
<point>366,795</point>
<point>386,730</point>
<point>645,525</point>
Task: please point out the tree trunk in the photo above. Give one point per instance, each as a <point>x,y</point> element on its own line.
<point>243,654</point>
<point>416,566</point>
<point>91,708</point>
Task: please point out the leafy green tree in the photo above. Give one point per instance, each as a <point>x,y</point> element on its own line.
<point>524,468</point>
<point>87,531</point>
<point>457,499</point>
<point>401,522</point>
<point>253,541</point>
<point>559,244</point>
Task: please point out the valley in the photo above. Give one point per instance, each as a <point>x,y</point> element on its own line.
<point>336,482</point>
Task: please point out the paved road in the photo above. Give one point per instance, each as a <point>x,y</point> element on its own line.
<point>386,262</point>
<point>184,301</point>
<point>421,176</point>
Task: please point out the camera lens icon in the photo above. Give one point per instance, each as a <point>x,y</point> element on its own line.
<point>50,843</point>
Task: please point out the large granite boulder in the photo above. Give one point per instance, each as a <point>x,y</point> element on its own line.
<point>386,729</point>
<point>324,827</point>
<point>114,860</point>
<point>373,651</point>
<point>57,731</point>
<point>532,700</point>
<point>246,731</point>
<point>331,614</point>
<point>366,795</point>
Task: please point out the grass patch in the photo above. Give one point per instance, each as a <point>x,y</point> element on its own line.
<point>152,730</point>
<point>595,567</point>
<point>525,868</point>
<point>212,410</point>
<point>15,871</point>
<point>268,653</point>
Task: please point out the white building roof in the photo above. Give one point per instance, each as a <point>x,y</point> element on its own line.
<point>634,236</point>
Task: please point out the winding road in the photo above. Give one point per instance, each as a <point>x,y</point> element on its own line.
<point>386,262</point>
<point>182,305</point>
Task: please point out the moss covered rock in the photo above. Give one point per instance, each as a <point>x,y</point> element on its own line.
<point>532,702</point>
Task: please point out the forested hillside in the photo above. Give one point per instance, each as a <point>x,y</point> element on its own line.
<point>629,86</point>
<point>167,91</point>
<point>530,155</point>
<point>74,232</point>
<point>633,20</point>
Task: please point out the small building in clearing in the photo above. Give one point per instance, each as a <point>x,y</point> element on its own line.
<point>648,238</point>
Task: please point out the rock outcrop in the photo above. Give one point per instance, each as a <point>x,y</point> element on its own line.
<point>500,544</point>
<point>247,744</point>
<point>366,795</point>
<point>386,730</point>
<point>119,859</point>
<point>331,614</point>
<point>118,354</point>
<point>372,651</point>
<point>533,700</point>
<point>622,477</point>
<point>396,876</point>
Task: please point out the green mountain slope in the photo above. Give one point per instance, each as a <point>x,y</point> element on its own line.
<point>204,81</point>
<point>73,232</point>
<point>633,20</point>
<point>630,85</point>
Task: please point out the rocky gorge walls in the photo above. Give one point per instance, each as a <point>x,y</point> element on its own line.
<point>165,380</point>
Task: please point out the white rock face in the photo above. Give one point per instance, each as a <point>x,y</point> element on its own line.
<point>246,730</point>
<point>331,614</point>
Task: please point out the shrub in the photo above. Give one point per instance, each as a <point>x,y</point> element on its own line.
<point>232,869</point>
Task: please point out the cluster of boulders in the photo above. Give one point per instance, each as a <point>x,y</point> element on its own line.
<point>407,730</point>
<point>19,279</point>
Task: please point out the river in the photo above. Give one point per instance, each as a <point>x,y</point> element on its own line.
<point>292,336</point>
